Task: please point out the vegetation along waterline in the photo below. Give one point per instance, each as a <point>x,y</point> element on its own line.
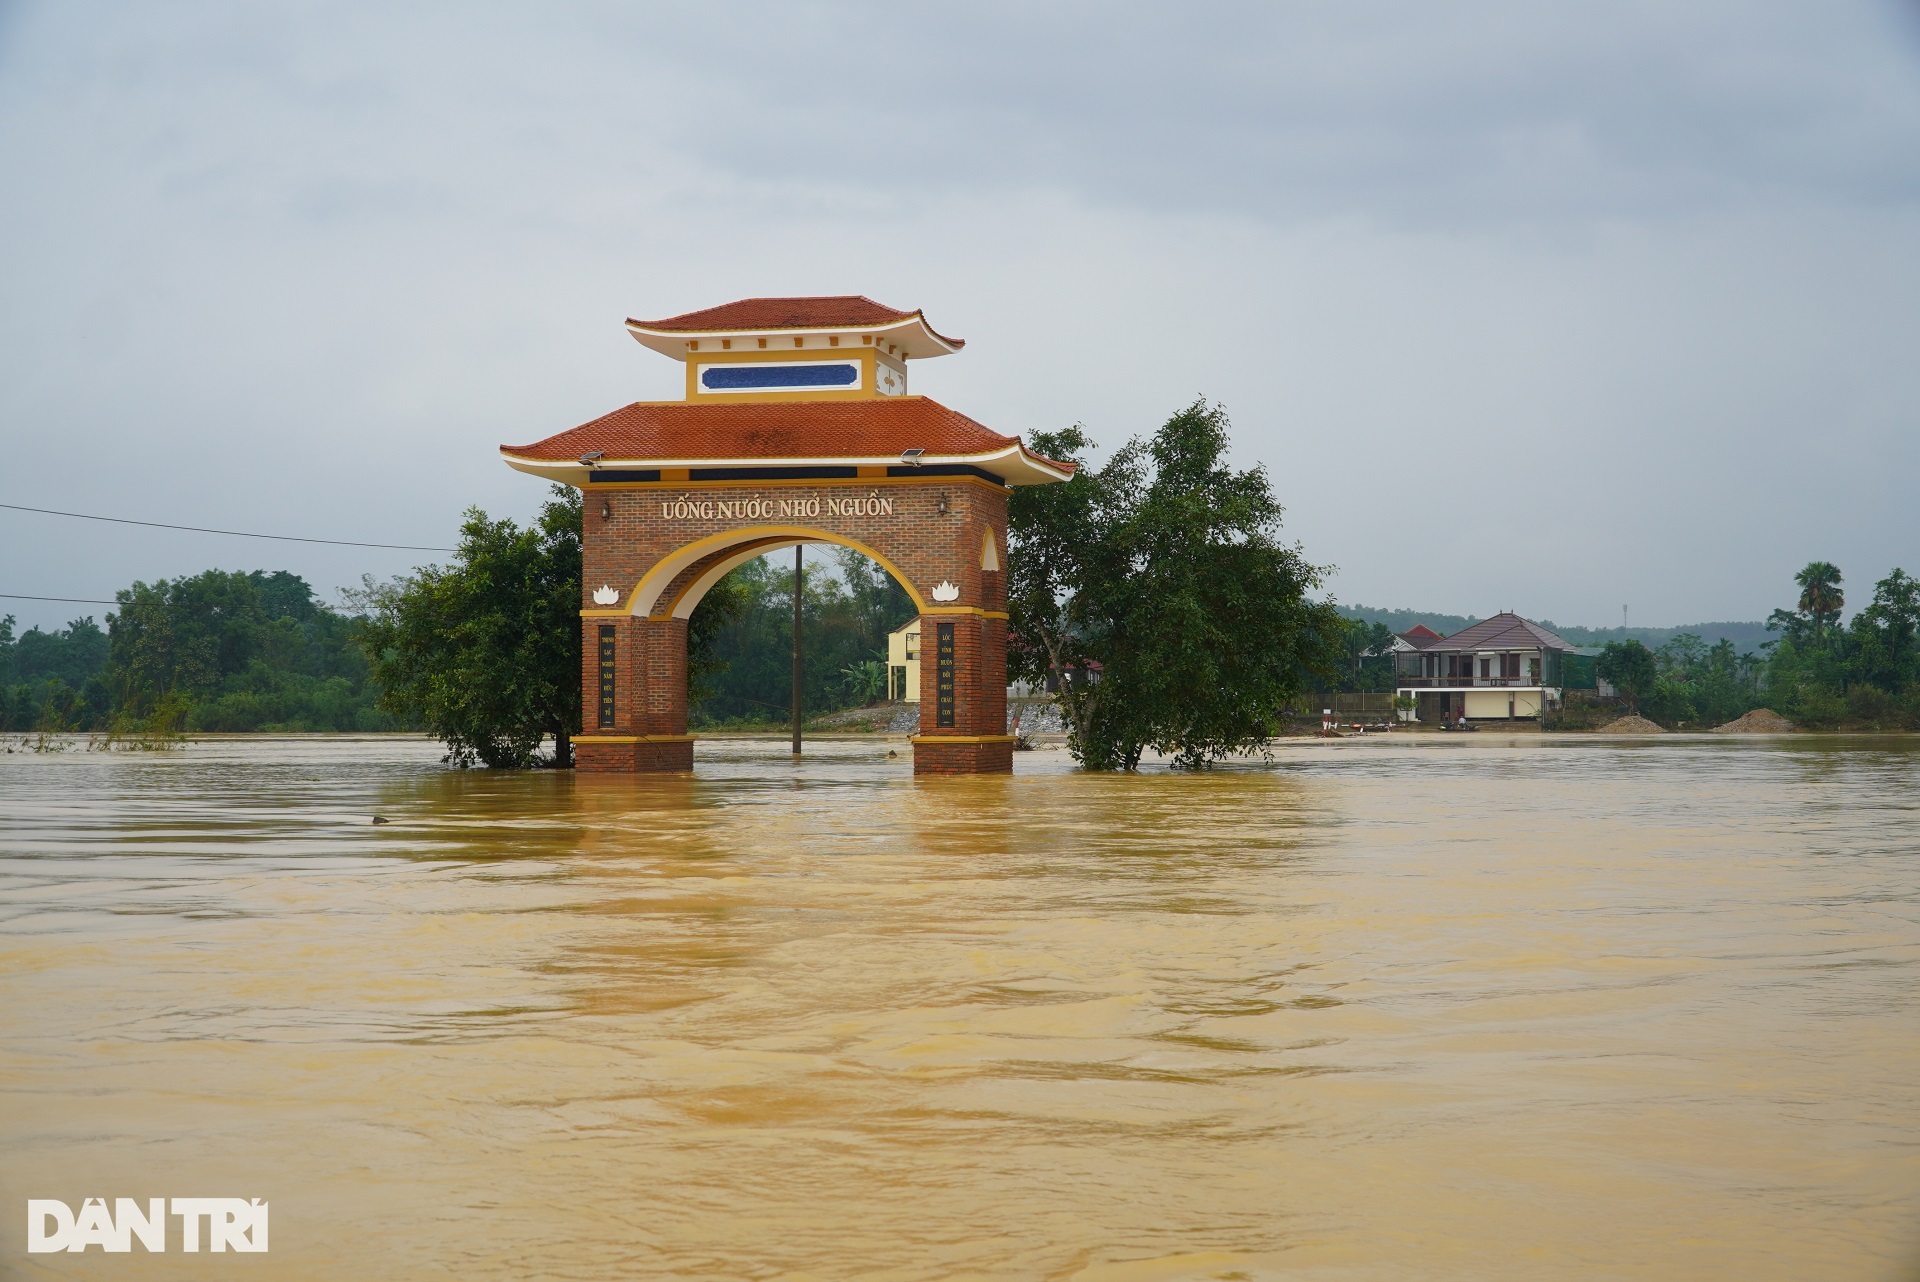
<point>1151,594</point>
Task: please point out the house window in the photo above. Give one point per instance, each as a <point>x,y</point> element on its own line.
<point>1510,666</point>
<point>913,645</point>
<point>1486,669</point>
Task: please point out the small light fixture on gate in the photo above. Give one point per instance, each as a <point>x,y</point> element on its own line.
<point>606,510</point>
<point>911,457</point>
<point>941,506</point>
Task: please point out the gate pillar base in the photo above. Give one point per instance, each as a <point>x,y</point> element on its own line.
<point>963,754</point>
<point>634,754</point>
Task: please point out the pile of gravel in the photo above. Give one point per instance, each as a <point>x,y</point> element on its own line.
<point>1631,725</point>
<point>1027,717</point>
<point>1759,721</point>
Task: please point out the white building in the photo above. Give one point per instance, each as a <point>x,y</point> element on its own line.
<point>903,667</point>
<point>1501,669</point>
<point>903,662</point>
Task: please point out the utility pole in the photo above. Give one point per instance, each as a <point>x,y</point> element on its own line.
<point>799,677</point>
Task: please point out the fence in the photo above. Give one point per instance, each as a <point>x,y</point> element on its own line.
<point>1370,707</point>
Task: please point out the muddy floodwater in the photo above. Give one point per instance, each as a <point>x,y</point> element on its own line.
<point>1469,1007</point>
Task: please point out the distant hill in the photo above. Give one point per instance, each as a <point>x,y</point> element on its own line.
<point>1745,636</point>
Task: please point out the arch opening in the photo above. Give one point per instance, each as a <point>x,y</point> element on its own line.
<point>704,633</point>
<point>739,638</point>
<point>668,581</point>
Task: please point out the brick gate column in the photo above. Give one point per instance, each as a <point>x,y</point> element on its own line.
<point>963,648</point>
<point>642,663</point>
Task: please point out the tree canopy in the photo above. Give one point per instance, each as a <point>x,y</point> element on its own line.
<point>1630,668</point>
<point>1154,592</point>
<point>1821,599</point>
<point>847,612</point>
<point>1864,674</point>
<point>485,652</point>
<point>221,650</point>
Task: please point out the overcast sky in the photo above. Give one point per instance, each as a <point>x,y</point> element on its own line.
<point>1552,308</point>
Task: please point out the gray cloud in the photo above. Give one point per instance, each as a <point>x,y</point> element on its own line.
<point>1522,305</point>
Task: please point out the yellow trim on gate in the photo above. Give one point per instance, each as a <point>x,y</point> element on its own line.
<point>960,738</point>
<point>603,614</point>
<point>770,533</point>
<point>965,609</point>
<point>633,738</point>
<point>783,481</point>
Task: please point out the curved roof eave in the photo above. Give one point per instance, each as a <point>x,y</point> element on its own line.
<point>672,342</point>
<point>1018,464</point>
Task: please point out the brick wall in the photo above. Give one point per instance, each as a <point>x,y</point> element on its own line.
<point>631,529</point>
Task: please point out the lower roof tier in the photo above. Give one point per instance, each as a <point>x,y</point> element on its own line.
<point>675,434</point>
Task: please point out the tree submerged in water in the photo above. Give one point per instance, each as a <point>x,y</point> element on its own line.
<point>1155,591</point>
<point>485,653</point>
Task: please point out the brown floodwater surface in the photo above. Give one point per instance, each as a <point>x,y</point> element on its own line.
<point>1476,1008</point>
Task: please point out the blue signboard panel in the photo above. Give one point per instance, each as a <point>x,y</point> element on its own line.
<point>743,378</point>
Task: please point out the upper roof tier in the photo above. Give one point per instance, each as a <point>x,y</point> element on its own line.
<point>876,433</point>
<point>858,319</point>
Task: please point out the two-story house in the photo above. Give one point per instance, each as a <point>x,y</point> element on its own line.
<point>1501,669</point>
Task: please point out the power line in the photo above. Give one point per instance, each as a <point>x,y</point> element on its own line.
<point>94,600</point>
<point>201,529</point>
<point>77,600</point>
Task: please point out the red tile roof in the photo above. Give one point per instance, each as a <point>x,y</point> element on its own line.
<point>837,311</point>
<point>879,428</point>
<point>1420,636</point>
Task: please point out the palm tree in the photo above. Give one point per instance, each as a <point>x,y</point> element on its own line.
<point>1820,596</point>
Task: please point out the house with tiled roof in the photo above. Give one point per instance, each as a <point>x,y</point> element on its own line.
<point>1503,669</point>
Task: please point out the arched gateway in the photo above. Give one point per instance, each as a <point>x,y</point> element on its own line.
<point>796,428</point>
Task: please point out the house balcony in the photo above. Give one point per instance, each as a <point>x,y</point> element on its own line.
<point>1466,683</point>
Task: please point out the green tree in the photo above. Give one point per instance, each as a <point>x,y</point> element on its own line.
<point>876,602</point>
<point>61,711</point>
<point>1156,595</point>
<point>40,671</point>
<point>723,604</point>
<point>231,651</point>
<point>485,653</point>
<point>1695,682</point>
<point>865,682</point>
<point>1369,653</point>
<point>1630,668</point>
<point>1821,599</point>
<point>74,654</point>
<point>1886,635</point>
<point>170,637</point>
<point>848,609</point>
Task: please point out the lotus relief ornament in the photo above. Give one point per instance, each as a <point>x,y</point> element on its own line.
<point>606,595</point>
<point>945,591</point>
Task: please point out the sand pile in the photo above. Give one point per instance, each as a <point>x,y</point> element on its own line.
<point>1759,721</point>
<point>1631,725</point>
